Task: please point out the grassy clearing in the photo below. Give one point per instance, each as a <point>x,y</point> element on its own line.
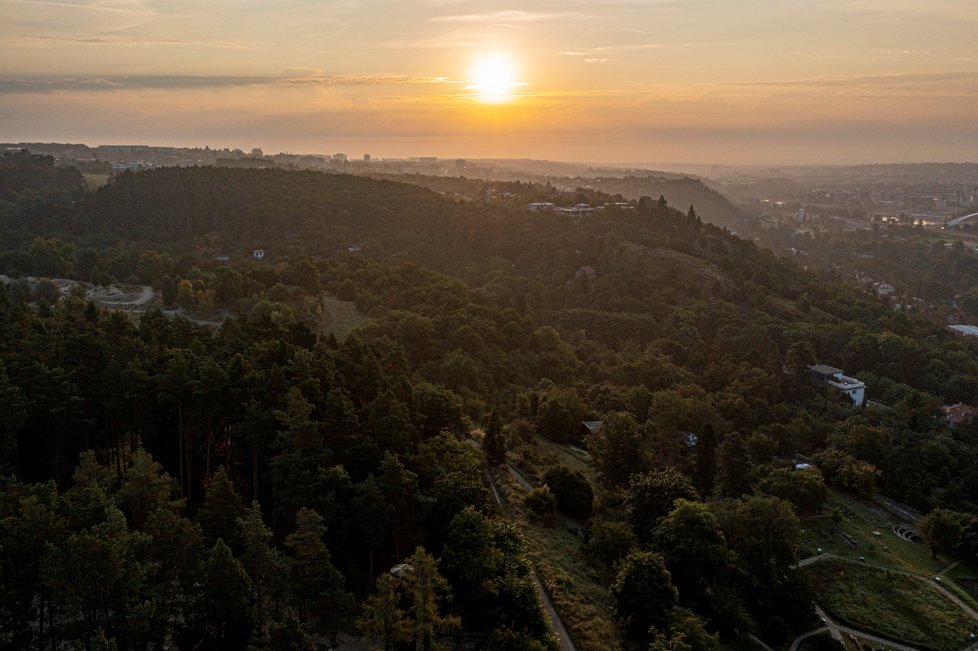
<point>95,181</point>
<point>339,317</point>
<point>894,606</point>
<point>860,521</point>
<point>573,458</point>
<point>575,587</point>
<point>962,580</point>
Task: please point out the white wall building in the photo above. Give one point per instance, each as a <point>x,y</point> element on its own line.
<point>835,377</point>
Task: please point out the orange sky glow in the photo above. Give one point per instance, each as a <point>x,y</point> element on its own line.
<point>698,81</point>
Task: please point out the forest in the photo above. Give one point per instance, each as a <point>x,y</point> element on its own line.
<point>256,485</point>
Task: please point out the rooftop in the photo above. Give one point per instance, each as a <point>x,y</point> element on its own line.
<point>825,369</point>
<point>965,329</point>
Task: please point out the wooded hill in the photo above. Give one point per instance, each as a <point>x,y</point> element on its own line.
<point>352,453</point>
<point>682,191</point>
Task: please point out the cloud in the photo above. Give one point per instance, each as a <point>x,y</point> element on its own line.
<point>120,6</point>
<point>605,49</point>
<point>51,84</point>
<point>459,39</point>
<point>119,40</point>
<point>867,80</point>
<point>506,16</point>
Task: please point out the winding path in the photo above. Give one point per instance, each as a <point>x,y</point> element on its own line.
<point>836,630</point>
<point>804,636</point>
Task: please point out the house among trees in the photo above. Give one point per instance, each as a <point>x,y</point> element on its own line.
<point>259,254</point>
<point>884,289</point>
<point>587,273</point>
<point>969,330</point>
<point>590,427</point>
<point>959,413</point>
<point>834,377</point>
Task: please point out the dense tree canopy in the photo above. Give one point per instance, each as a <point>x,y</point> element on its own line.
<point>130,447</point>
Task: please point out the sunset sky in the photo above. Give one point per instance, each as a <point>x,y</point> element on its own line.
<point>699,81</point>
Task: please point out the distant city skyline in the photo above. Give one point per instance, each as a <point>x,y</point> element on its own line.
<point>680,81</point>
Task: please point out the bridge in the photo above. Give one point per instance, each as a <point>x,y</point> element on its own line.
<point>957,221</point>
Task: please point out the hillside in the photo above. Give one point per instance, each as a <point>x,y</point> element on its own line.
<point>462,318</point>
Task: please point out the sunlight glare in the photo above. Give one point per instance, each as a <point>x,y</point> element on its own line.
<point>493,78</point>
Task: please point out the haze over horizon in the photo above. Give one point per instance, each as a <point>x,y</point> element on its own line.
<point>690,81</point>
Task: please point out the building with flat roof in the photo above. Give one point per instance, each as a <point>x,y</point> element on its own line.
<point>834,377</point>
<point>965,329</point>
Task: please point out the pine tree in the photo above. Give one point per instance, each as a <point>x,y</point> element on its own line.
<point>427,589</point>
<point>225,610</point>
<point>260,558</point>
<point>383,618</point>
<point>219,513</point>
<point>317,586</point>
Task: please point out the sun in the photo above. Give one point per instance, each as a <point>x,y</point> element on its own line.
<point>494,78</point>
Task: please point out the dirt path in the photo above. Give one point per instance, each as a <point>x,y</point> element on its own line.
<point>518,476</point>
<point>563,637</point>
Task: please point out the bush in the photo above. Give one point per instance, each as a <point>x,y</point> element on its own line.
<point>573,491</point>
<point>541,502</point>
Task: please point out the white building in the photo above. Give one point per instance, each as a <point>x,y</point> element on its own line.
<point>834,377</point>
<point>884,289</point>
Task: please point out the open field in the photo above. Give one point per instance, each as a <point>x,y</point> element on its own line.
<point>566,455</point>
<point>95,181</point>
<point>339,317</point>
<point>892,605</point>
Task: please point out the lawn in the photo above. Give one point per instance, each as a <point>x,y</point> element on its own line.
<point>860,521</point>
<point>895,606</point>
